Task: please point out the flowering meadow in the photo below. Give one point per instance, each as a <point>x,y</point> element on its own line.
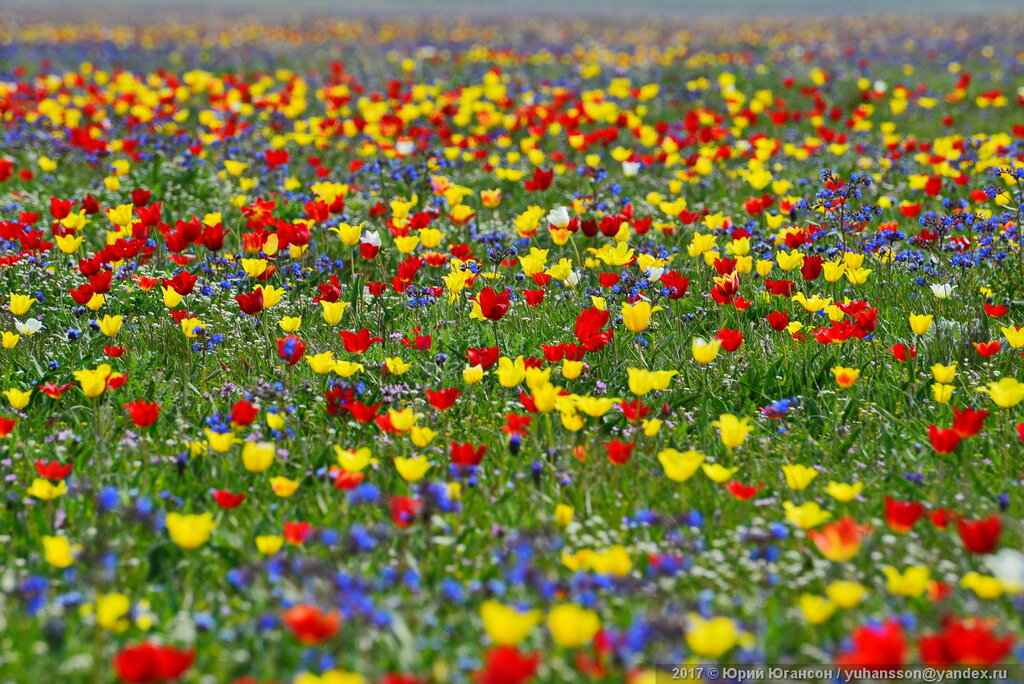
<point>423,350</point>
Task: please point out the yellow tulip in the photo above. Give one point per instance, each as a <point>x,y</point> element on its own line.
<point>942,393</point>
<point>94,381</point>
<point>171,297</point>
<point>846,594</point>
<point>798,476</point>
<point>717,472</point>
<point>353,460</point>
<point>844,492</point>
<point>505,625</point>
<point>59,552</point>
<point>411,469</point>
<point>396,365</point>
<point>190,531</point>
<point>1014,337</point>
<point>564,514</point>
<point>680,467</point>
<point>111,611</point>
<point>332,311</point>
<point>733,430</point>
<point>257,456</point>
<point>816,609</point>
<point>510,373</point>
<point>44,490</point>
<point>705,351</point>
<point>220,441</point>
<point>473,374</point>
<point>322,363</point>
<point>1006,393</point>
<point>69,244</point>
<point>421,436</point>
<point>269,544</point>
<point>805,516</point>
<point>845,377</point>
<point>711,638</point>
<point>110,325</point>
<point>572,626</point>
<point>20,304</point>
<point>283,486</point>
<point>571,369</point>
<point>921,323</point>
<point>637,317</point>
<point>912,582</point>
<point>943,374</point>
<point>18,399</point>
<point>983,586</point>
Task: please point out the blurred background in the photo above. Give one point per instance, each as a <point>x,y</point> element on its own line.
<point>296,8</point>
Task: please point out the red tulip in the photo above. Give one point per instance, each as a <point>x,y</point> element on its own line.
<point>493,305</point>
<point>944,441</point>
<point>53,470</point>
<point>485,357</point>
<point>996,310</point>
<point>359,341</point>
<point>507,665</point>
<point>250,303</point>
<point>941,517</point>
<point>968,422</point>
<point>404,510</point>
<point>987,349</point>
<point>243,413</point>
<point>619,453</point>
<point>296,533</point>
<point>467,454</point>
<point>778,320</point>
<point>347,481</point>
<point>541,180</point>
<point>290,349</point>
<point>148,663</point>
<point>980,536</point>
<point>310,625</point>
<point>533,297</point>
<point>901,516</point>
<point>442,400</point>
<point>227,499</point>
<point>730,339</point>
<point>876,646</point>
<point>183,283</point>
<point>142,413</point>
<point>743,492</point>
<point>633,410</point>
<point>902,352</point>
<point>968,641</point>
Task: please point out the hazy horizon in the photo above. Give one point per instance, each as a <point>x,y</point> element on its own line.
<point>299,8</point>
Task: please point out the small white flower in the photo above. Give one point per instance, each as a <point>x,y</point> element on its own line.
<point>29,327</point>
<point>559,217</point>
<point>630,169</point>
<point>942,290</point>
<point>404,147</point>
